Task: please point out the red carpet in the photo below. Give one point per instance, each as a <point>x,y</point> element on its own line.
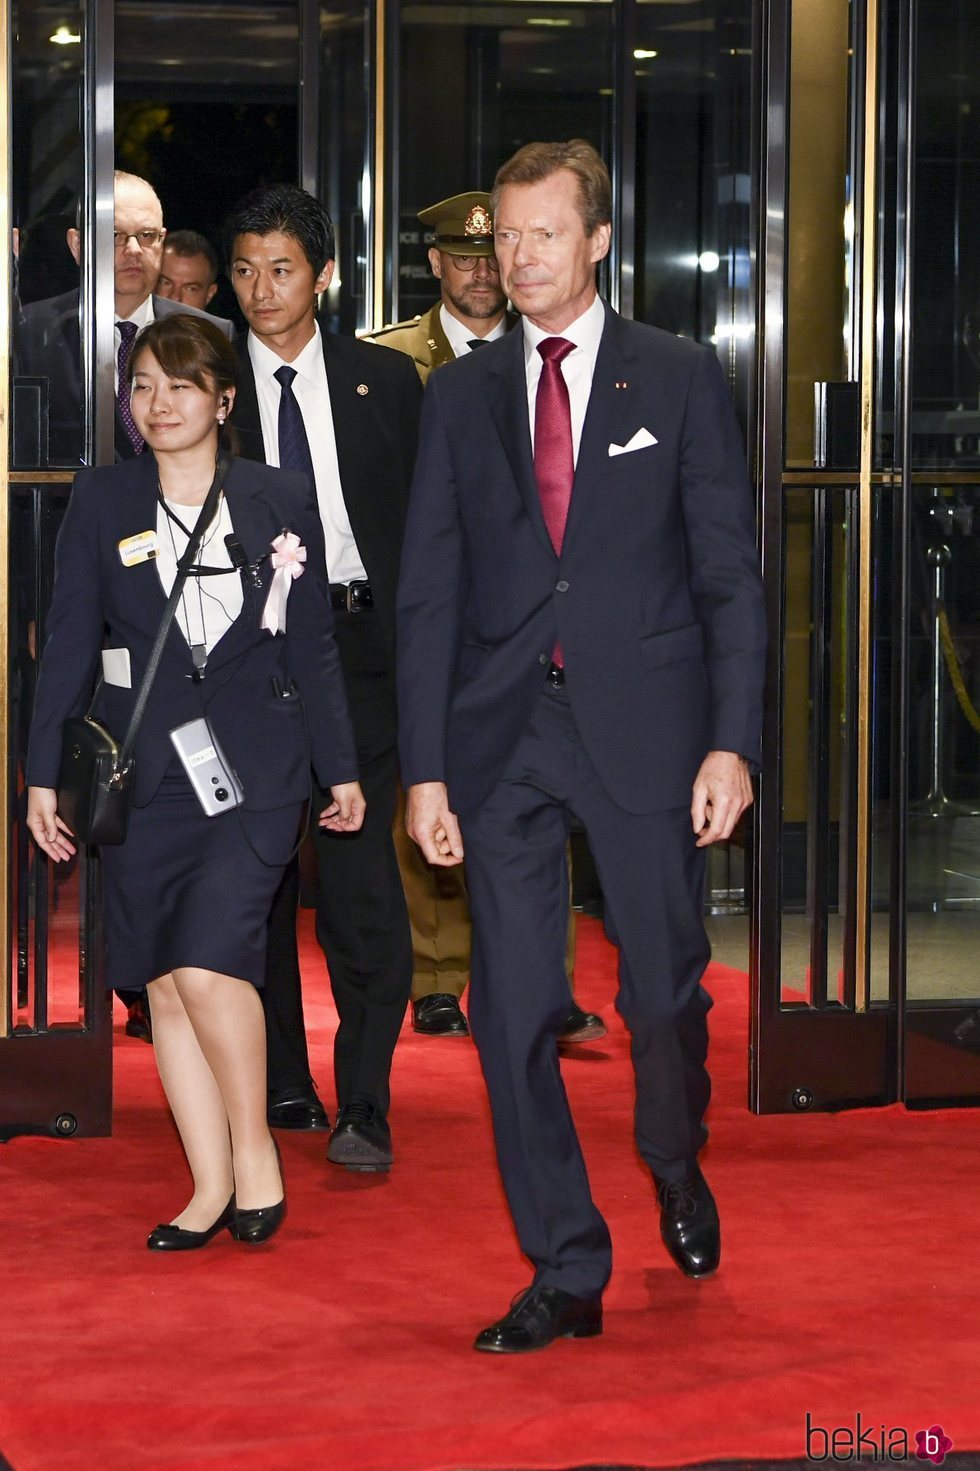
<point>849,1286</point>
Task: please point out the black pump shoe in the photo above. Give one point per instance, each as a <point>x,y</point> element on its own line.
<point>176,1238</point>
<point>255,1226</point>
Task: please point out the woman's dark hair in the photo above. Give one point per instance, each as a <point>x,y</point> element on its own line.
<point>195,349</point>
<point>283,209</point>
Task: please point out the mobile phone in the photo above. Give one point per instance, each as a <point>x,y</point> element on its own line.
<point>208,770</point>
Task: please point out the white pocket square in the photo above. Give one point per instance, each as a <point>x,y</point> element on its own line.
<point>642,439</point>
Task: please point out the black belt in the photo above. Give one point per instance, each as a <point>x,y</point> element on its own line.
<point>351,597</point>
<point>556,675</point>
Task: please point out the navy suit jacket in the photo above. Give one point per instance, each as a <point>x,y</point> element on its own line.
<point>656,598</point>
<point>47,345</point>
<point>264,736</point>
<point>375,399</point>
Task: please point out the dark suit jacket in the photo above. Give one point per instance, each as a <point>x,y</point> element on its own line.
<point>656,598</point>
<point>377,438</point>
<point>47,345</point>
<point>264,735</point>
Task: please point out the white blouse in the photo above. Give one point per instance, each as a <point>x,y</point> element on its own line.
<point>208,605</point>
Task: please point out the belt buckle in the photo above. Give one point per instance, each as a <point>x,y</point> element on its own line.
<point>354,604</point>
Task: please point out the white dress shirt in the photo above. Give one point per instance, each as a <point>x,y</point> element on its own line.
<point>313,396</point>
<point>460,336</point>
<point>208,605</point>
<point>142,316</point>
<point>576,369</point>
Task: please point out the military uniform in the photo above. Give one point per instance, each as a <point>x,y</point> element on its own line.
<point>422,339</point>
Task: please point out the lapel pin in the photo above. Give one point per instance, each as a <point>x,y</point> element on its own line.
<point>622,385</point>
<point>362,389</point>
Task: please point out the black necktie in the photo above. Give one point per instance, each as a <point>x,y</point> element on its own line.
<point>476,342</point>
<point>294,447</point>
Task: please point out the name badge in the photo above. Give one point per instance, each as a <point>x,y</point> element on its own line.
<point>141,548</point>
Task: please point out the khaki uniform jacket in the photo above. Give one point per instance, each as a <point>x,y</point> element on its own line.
<point>423,340</point>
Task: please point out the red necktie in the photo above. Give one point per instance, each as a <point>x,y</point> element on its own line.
<point>554,461</point>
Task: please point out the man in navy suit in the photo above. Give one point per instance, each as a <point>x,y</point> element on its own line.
<point>47,338</point>
<point>581,631</point>
<point>347,416</point>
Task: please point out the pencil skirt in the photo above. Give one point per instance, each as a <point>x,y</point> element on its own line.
<point>189,890</point>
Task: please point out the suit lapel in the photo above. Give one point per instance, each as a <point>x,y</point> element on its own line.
<point>245,415</point>
<point>608,411</point>
<point>508,404</point>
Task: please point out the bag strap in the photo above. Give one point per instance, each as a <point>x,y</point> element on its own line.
<point>184,565</point>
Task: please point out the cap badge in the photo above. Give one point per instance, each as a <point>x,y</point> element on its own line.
<point>478,221</point>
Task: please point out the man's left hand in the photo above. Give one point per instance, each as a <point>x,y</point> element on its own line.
<point>722,791</point>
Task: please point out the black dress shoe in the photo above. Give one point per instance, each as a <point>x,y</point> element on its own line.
<point>175,1238</point>
<point>138,1023</point>
<point>439,1015</point>
<point>537,1317</point>
<point>361,1139</point>
<point>296,1108</point>
<point>258,1225</point>
<point>689,1224</point>
<point>582,1026</point>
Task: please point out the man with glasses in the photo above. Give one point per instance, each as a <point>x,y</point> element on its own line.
<point>48,347</point>
<point>471,312</point>
<point>48,337</point>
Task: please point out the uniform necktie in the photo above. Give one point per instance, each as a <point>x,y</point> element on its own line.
<point>554,461</point>
<point>127,332</point>
<point>474,342</point>
<point>294,447</point>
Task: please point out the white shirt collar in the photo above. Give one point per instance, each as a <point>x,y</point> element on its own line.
<point>585,331</point>
<point>143,315</point>
<point>265,362</point>
<point>459,335</point>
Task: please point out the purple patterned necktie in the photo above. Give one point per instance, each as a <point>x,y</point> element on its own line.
<point>127,331</point>
<point>554,460</point>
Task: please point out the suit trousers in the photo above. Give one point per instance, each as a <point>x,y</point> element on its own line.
<point>439,913</point>
<point>652,880</point>
<point>361,917</point>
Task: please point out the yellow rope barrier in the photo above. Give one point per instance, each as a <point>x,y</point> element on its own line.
<point>955,672</point>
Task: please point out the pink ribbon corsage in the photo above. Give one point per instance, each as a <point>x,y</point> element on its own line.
<point>288,556</point>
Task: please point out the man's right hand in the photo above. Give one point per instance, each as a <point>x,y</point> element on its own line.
<point>429,821</point>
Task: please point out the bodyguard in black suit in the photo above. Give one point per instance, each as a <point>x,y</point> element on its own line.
<point>348,416</point>
<point>580,632</point>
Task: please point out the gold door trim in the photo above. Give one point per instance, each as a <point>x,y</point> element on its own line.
<point>869,237</point>
<point>378,184</point>
<point>6,287</point>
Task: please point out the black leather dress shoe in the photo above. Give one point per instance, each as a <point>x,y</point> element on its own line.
<point>296,1108</point>
<point>138,1023</point>
<point>361,1139</point>
<point>537,1317</point>
<point>439,1015</point>
<point>689,1224</point>
<point>582,1026</point>
<point>175,1238</point>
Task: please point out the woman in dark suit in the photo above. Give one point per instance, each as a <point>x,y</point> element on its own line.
<point>187,896</point>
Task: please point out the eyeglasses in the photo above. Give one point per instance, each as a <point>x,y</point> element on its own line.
<point>468,262</point>
<point>145,239</point>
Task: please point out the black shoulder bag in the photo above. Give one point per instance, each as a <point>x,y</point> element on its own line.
<point>95,787</point>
